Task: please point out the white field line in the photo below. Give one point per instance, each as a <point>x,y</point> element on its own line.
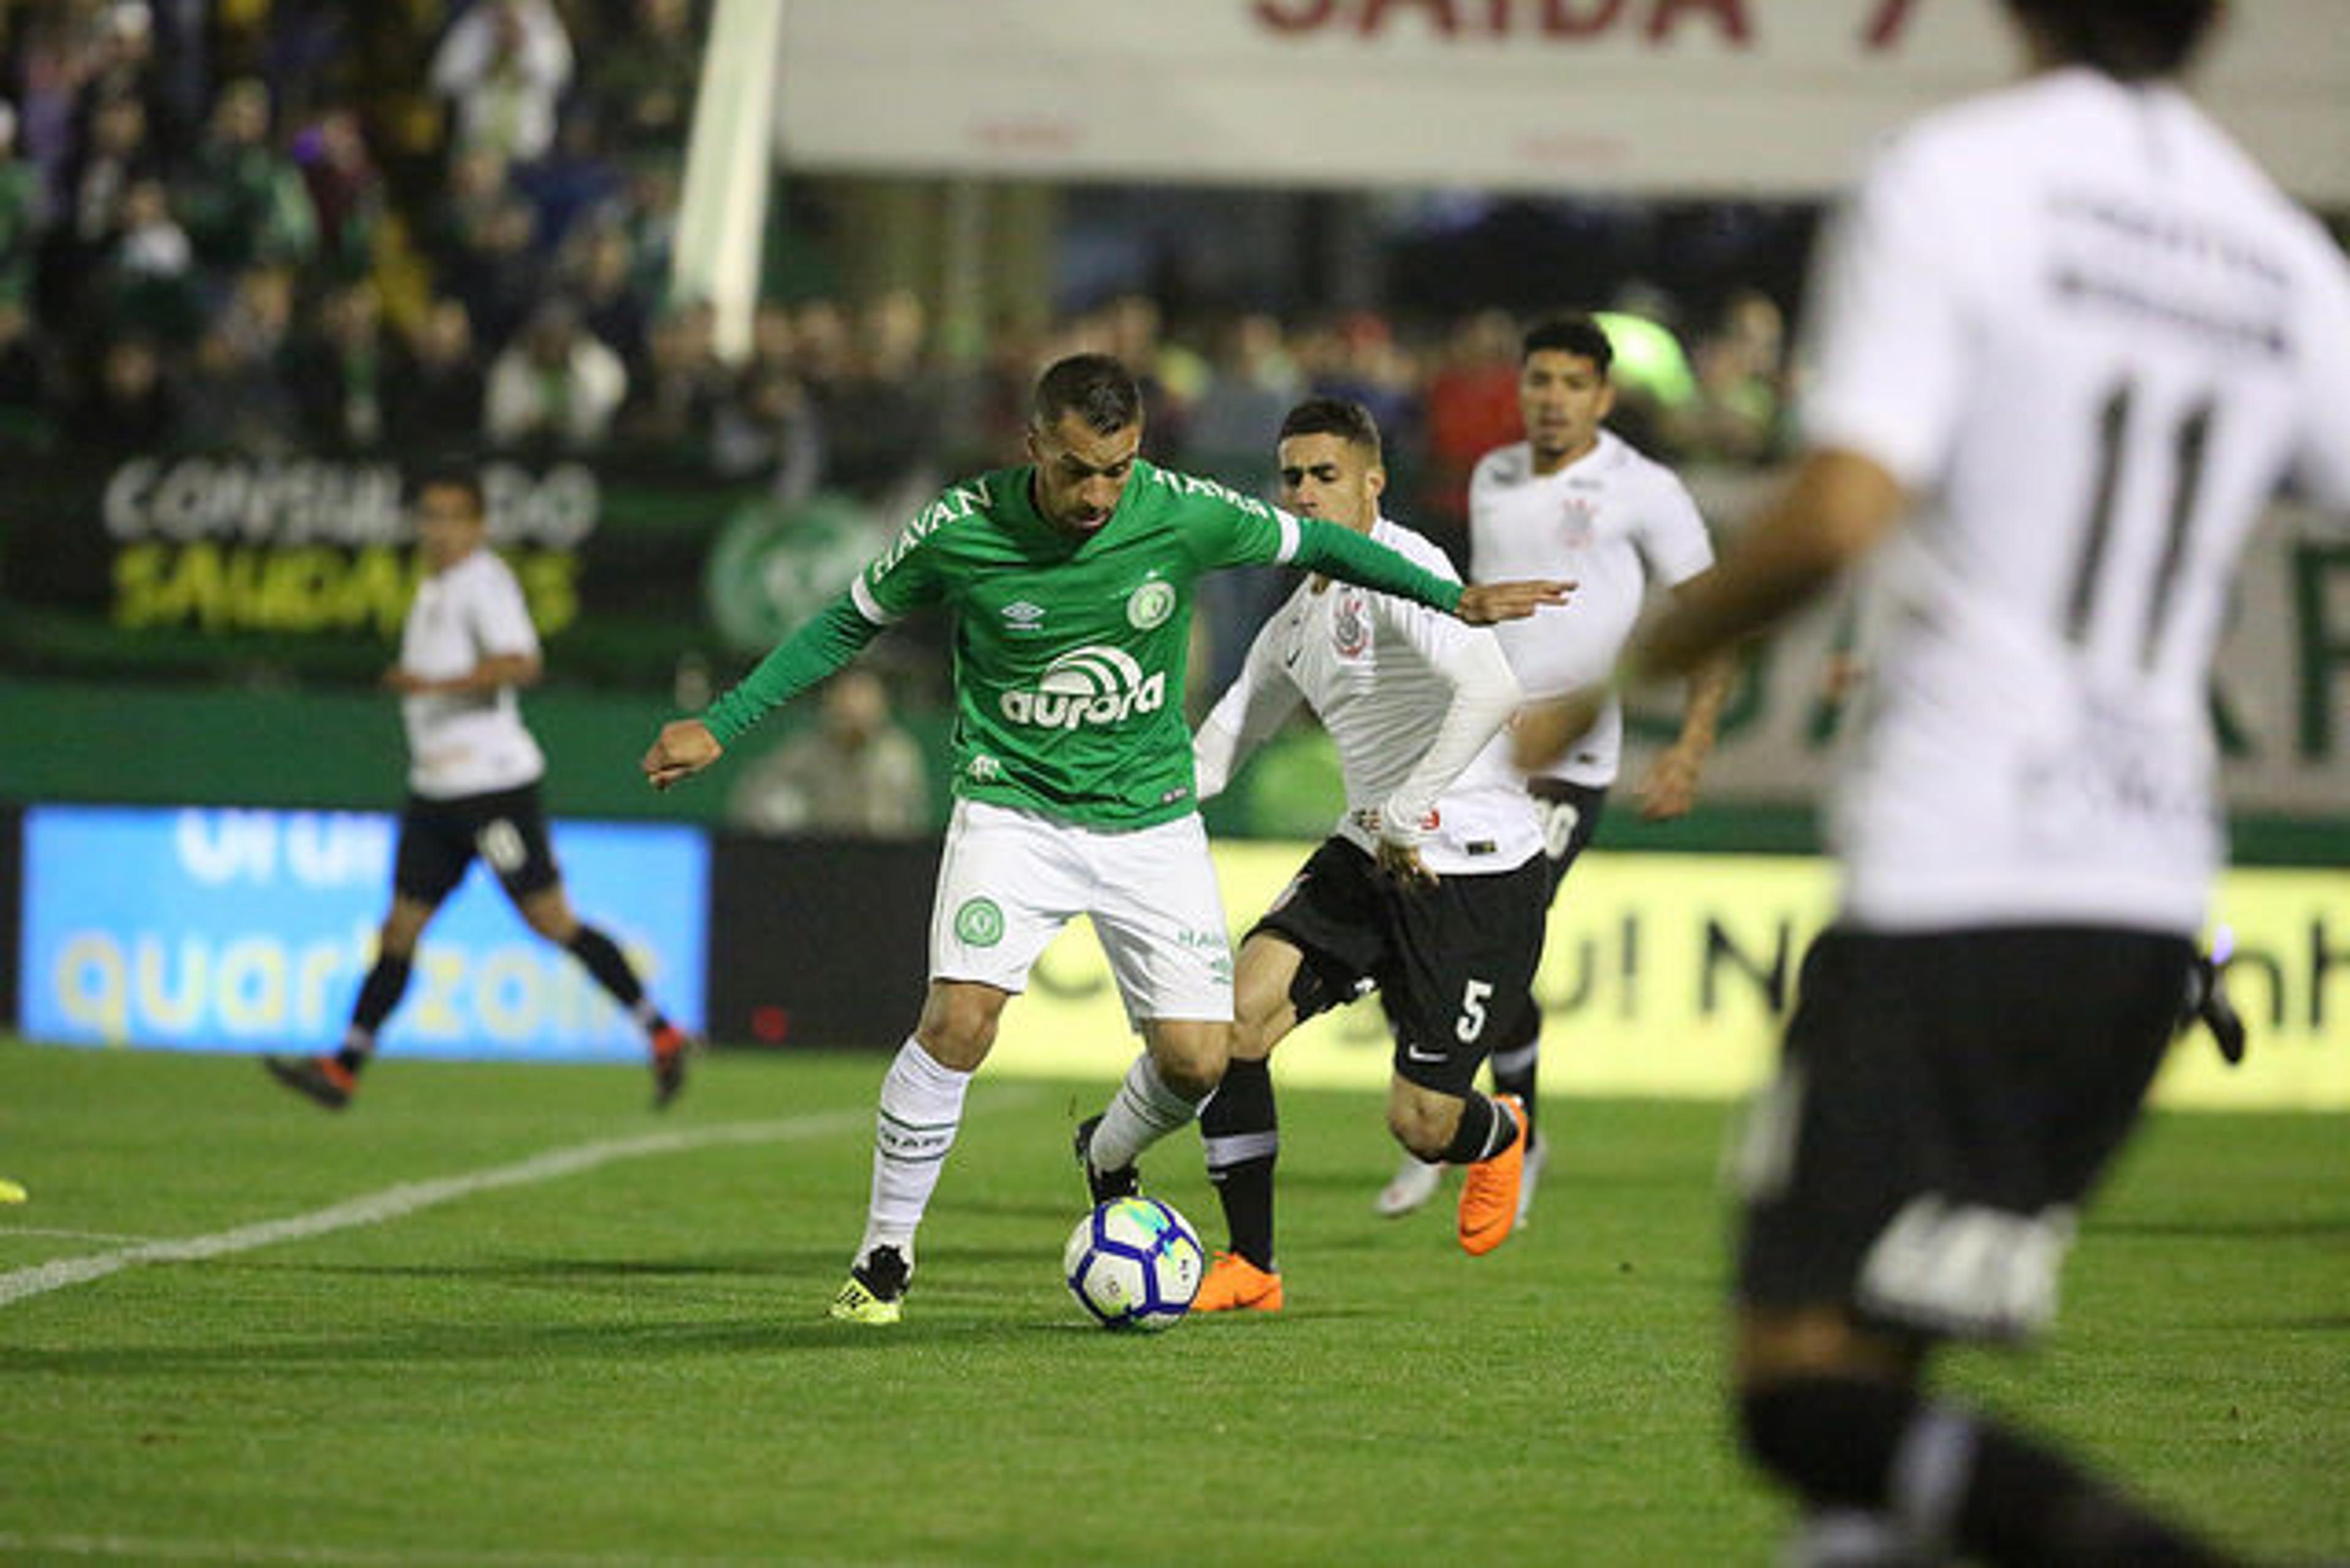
<point>158,1549</point>
<point>410,1197</point>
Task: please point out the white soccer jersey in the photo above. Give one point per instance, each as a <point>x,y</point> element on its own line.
<point>1613,522</point>
<point>468,742</point>
<point>2091,338</point>
<point>1414,701</point>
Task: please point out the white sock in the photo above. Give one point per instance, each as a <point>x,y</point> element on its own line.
<point>1143,1111</point>
<point>922,1107</point>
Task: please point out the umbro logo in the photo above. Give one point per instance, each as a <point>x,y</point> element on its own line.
<point>1025,616</point>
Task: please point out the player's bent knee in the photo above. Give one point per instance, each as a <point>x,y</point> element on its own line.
<point>1423,1124</point>
<point>1191,1062</point>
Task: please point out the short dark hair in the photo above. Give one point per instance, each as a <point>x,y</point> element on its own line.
<point>2130,40</point>
<point>449,476</point>
<point>1577,335</point>
<point>1341,417</point>
<point>1095,386</point>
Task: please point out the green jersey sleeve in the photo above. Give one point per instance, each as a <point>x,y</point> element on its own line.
<point>836,635</point>
<point>1260,534</point>
<point>1352,557</point>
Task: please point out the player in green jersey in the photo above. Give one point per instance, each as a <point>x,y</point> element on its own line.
<point>1071,579</point>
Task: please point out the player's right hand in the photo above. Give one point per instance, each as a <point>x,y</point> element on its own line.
<point>1487,604</point>
<point>683,748</point>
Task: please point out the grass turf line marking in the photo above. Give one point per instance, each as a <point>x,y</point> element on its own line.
<point>151,1548</point>
<point>409,1197</point>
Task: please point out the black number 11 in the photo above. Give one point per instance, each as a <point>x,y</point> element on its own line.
<point>2189,442</point>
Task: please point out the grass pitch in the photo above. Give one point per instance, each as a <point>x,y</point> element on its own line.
<point>617,1353</point>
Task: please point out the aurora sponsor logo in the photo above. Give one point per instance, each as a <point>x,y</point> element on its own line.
<point>1092,685</point>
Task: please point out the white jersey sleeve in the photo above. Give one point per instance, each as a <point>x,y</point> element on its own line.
<point>499,617</point>
<point>1672,536</point>
<point>1257,704</point>
<point>2323,465</point>
<point>1890,353</point>
<point>1484,694</point>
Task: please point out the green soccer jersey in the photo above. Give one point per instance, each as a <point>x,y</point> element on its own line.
<point>1069,653</point>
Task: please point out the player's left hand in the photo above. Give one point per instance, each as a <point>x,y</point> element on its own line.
<point>1402,862</point>
<point>404,680</point>
<point>683,748</point>
<point>1669,788</point>
<point>1489,604</point>
<point>1542,731</point>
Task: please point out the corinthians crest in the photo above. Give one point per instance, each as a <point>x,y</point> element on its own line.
<point>1579,523</point>
<point>1350,622</point>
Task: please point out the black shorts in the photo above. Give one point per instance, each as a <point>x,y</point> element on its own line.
<point>439,838</point>
<point>1944,1101</point>
<point>1570,815</point>
<point>1453,964</point>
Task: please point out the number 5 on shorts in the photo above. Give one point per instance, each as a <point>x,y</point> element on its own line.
<point>1471,1023</point>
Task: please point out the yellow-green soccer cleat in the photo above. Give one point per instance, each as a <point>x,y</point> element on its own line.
<point>875,1290</point>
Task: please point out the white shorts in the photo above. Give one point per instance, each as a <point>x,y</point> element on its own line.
<point>1011,880</point>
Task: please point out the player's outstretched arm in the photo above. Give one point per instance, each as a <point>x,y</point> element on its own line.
<point>1490,604</point>
<point>682,749</point>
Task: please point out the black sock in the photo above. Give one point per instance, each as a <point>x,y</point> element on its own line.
<point>379,992</point>
<point>1485,1130</point>
<point>1514,1071</point>
<point>1242,1132</point>
<point>603,959</point>
<point>1955,1480</point>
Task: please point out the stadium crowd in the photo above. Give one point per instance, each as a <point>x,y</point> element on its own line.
<point>293,225</point>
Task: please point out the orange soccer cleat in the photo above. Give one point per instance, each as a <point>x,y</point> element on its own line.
<point>1235,1284</point>
<point>1489,1195</point>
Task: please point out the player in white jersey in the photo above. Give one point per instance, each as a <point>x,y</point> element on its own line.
<point>1574,500</point>
<point>473,781</point>
<point>1430,888</point>
<point>2076,338</point>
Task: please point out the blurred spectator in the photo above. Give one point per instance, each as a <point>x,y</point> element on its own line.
<point>574,181</point>
<point>504,65</point>
<point>881,414</point>
<point>335,371</point>
<point>643,91</point>
<point>21,213</point>
<point>116,152</point>
<point>1472,408</point>
<point>1741,384</point>
<point>1251,384</point>
<point>498,272</point>
<point>346,197</point>
<point>555,385</point>
<point>25,420</point>
<point>1656,388</point>
<point>1358,358</point>
<point>236,398</point>
<point>433,402</point>
<point>672,409</point>
<point>241,202</point>
<point>856,770</point>
<point>146,283</point>
<point>599,269</point>
<point>128,406</point>
<point>766,423</point>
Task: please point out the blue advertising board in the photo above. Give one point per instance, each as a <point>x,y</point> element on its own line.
<point>237,929</point>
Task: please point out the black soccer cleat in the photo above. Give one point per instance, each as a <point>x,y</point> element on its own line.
<point>1106,1185</point>
<point>2208,1003</point>
<point>670,1047</point>
<point>321,1078</point>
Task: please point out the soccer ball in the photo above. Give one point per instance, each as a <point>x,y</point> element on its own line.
<point>1134,1263</point>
